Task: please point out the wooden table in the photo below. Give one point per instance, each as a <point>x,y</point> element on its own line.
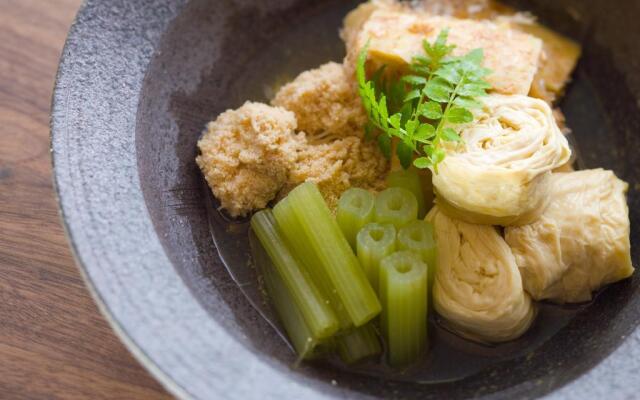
<point>54,344</point>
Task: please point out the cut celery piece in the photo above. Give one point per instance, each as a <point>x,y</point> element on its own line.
<point>403,294</point>
<point>418,237</point>
<point>292,230</point>
<point>355,210</point>
<point>336,256</point>
<point>409,179</point>
<point>396,206</point>
<point>359,344</point>
<point>314,307</point>
<point>375,242</point>
<point>300,336</point>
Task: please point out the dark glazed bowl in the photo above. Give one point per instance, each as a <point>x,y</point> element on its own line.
<point>137,82</point>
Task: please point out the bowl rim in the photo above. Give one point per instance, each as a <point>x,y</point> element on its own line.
<point>112,238</point>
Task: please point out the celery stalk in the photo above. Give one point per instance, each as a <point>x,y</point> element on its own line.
<point>418,237</point>
<point>359,344</point>
<point>295,326</point>
<point>319,317</point>
<point>336,256</point>
<point>396,206</point>
<point>291,229</point>
<point>403,294</point>
<point>355,210</point>
<point>409,179</point>
<point>375,242</point>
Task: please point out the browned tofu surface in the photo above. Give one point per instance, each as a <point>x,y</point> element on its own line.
<point>396,37</point>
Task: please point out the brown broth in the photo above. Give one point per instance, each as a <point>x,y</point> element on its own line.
<point>449,358</point>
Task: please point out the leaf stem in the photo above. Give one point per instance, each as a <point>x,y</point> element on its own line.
<point>445,114</point>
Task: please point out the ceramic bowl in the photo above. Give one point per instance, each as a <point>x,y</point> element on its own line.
<point>137,82</point>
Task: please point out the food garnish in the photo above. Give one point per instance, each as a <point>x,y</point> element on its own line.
<point>424,108</point>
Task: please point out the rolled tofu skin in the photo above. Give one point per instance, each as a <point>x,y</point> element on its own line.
<point>498,174</point>
<point>396,37</point>
<point>580,243</point>
<point>478,288</point>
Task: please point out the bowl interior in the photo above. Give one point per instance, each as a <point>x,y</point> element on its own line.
<point>216,55</point>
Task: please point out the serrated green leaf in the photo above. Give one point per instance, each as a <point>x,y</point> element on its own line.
<point>467,103</point>
<point>438,155</point>
<point>375,114</point>
<point>412,95</point>
<point>384,142</point>
<point>360,70</point>
<point>441,40</point>
<point>439,49</point>
<point>421,60</point>
<point>428,150</point>
<point>431,110</point>
<point>472,90</point>
<point>450,135</point>
<point>393,132</point>
<point>414,80</point>
<point>384,113</point>
<point>449,73</point>
<point>406,111</point>
<point>475,56</point>
<point>459,115</point>
<point>424,133</point>
<point>438,90</point>
<point>420,69</point>
<point>410,127</point>
<point>395,119</point>
<point>428,49</point>
<point>449,82</point>
<point>405,154</point>
<point>422,162</point>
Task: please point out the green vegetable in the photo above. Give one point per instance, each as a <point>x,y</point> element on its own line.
<point>300,336</point>
<point>409,179</point>
<point>403,294</point>
<point>355,210</point>
<point>291,228</point>
<point>437,96</point>
<point>320,319</point>
<point>359,344</point>
<point>418,237</point>
<point>375,241</point>
<point>396,206</point>
<point>336,257</point>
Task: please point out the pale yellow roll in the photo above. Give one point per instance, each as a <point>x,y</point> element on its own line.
<point>499,174</point>
<point>581,241</point>
<point>478,289</point>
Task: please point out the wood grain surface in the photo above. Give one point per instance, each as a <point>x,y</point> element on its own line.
<point>54,344</point>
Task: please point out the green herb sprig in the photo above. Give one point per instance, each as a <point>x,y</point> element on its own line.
<point>425,107</point>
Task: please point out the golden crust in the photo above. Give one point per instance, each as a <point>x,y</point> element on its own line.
<point>395,37</point>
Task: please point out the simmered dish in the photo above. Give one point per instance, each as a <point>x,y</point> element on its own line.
<point>426,176</point>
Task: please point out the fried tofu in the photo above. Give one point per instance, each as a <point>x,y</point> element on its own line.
<point>558,60</point>
<point>396,37</point>
<point>559,54</point>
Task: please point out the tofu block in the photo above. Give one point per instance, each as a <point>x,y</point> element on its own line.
<point>396,37</point>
